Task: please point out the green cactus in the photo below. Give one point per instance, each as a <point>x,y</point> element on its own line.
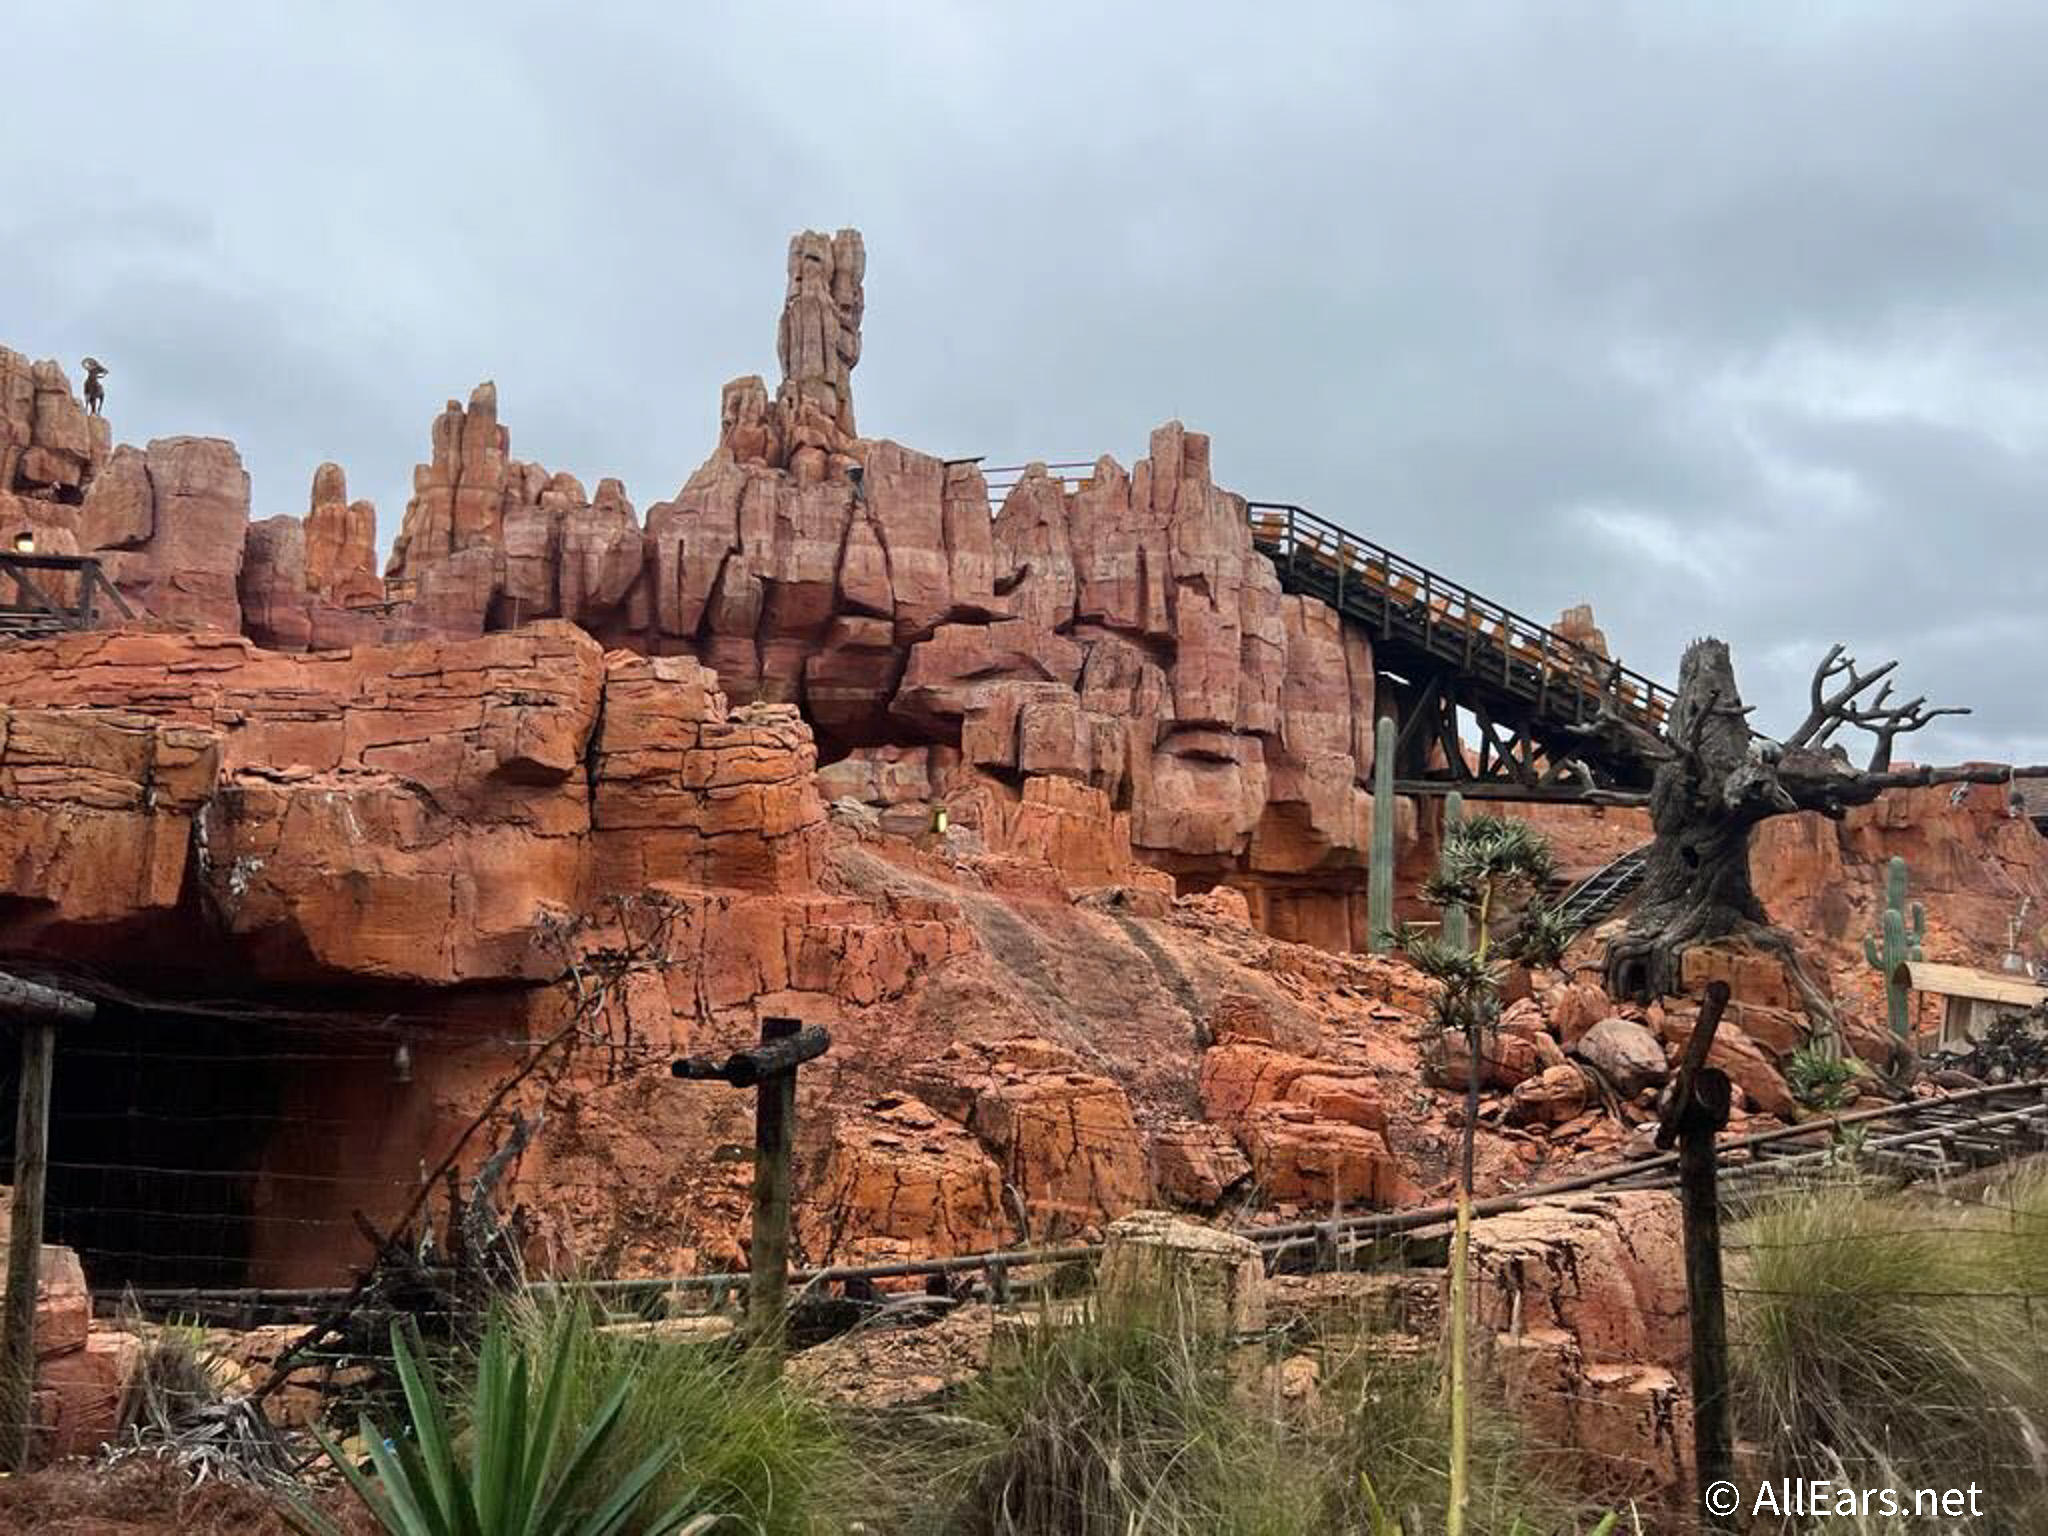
<point>1900,943</point>
<point>1457,921</point>
<point>1379,886</point>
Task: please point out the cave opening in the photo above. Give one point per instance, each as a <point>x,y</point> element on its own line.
<point>202,1149</point>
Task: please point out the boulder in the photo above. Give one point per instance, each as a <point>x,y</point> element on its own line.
<point>1583,1300</point>
<point>1626,1053</point>
<point>1299,1158</point>
<point>1196,1165</point>
<point>1551,1097</point>
<point>900,1180</point>
<point>1159,1271</point>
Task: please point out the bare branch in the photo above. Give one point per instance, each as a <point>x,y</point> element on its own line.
<point>1829,710</point>
<point>1885,725</point>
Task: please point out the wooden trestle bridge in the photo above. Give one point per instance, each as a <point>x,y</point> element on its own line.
<point>1546,708</point>
<point>1548,711</point>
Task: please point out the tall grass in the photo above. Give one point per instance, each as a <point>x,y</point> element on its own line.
<point>1893,1340</point>
<point>1097,1428</point>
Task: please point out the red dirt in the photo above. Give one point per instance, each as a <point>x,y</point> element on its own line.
<point>142,1499</point>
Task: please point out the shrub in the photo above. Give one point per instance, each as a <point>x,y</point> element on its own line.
<point>1889,1338</point>
<point>516,1479</point>
<point>739,1443</point>
<point>1087,1428</point>
<point>1820,1080</point>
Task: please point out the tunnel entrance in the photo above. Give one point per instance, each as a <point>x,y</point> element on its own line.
<point>196,1150</point>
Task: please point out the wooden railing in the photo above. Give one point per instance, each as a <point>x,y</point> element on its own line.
<point>1450,620</point>
<point>1374,584</point>
<point>54,593</point>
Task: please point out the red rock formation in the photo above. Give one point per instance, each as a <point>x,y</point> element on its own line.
<point>1120,633</point>
<point>900,1181</point>
<point>342,774</point>
<point>50,445</point>
<point>1101,688</point>
<point>1584,1303</point>
<point>98,811</point>
<point>169,523</point>
<point>311,584</point>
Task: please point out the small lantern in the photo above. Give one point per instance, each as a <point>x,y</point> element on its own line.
<point>25,542</point>
<point>939,821</point>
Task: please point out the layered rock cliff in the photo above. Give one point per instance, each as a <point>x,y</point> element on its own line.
<point>432,806</point>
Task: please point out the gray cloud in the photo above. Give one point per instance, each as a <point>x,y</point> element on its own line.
<point>1727,320</point>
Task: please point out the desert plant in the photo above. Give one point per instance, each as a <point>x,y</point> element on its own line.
<point>1897,941</point>
<point>1485,860</point>
<point>514,1480</point>
<point>1394,1433</point>
<point>174,1409</point>
<point>1540,938</point>
<point>740,1442</point>
<point>1889,1335</point>
<point>1821,1080</point>
<point>1095,1428</point>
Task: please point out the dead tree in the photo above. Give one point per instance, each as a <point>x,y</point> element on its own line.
<point>1716,780</point>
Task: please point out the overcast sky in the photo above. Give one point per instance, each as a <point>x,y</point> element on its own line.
<point>1726,318</point>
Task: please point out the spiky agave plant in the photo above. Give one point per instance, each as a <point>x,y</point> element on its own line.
<point>1485,862</point>
<point>512,1481</point>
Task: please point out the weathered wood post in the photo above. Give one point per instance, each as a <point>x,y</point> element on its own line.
<point>770,1070</point>
<point>1695,1111</point>
<point>38,1010</point>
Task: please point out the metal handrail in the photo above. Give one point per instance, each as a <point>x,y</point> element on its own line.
<point>1443,597</point>
<point>1001,479</point>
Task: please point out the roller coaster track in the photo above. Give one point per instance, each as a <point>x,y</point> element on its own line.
<point>1595,897</point>
<point>1553,718</point>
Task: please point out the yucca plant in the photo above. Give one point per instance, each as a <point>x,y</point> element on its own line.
<point>1485,861</point>
<point>1820,1079</point>
<point>511,1481</point>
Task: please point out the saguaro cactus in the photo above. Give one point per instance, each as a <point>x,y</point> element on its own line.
<point>1379,876</point>
<point>1900,941</point>
<point>1457,921</point>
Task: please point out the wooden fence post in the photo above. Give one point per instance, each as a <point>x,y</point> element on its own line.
<point>1695,1111</point>
<point>770,1070</point>
<point>768,1258</point>
<point>39,1010</point>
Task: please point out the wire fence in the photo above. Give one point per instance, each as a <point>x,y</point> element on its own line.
<point>245,1168</point>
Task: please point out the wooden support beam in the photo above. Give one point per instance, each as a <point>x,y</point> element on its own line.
<point>1503,789</point>
<point>38,1010</point>
<point>774,1139</point>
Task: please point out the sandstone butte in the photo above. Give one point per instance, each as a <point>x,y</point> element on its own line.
<point>393,824</point>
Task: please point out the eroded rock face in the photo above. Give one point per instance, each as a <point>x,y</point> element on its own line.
<point>97,810</point>
<point>1118,632</point>
<point>903,1181</point>
<point>406,812</point>
<point>50,445</point>
<point>311,583</point>
<point>1583,1300</point>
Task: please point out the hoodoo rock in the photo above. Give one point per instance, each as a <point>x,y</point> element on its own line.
<point>1118,631</point>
